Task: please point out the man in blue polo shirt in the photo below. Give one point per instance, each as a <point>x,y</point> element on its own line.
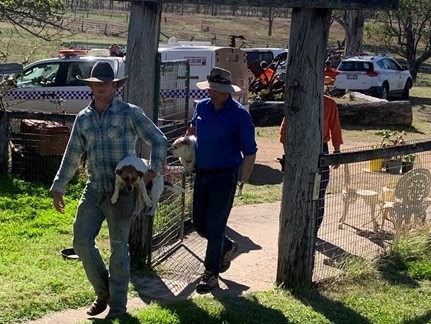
<point>225,141</point>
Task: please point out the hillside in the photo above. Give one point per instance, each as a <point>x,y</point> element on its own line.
<point>107,27</point>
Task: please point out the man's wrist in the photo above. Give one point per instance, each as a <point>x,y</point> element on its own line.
<point>152,173</point>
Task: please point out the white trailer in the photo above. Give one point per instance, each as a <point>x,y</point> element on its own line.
<point>202,59</point>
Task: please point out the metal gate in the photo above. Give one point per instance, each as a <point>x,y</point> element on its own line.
<point>173,111</point>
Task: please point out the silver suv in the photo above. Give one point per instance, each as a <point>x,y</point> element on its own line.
<point>376,75</point>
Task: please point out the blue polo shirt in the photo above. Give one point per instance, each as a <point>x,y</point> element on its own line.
<point>224,136</point>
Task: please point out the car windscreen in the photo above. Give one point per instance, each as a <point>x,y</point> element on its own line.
<point>42,75</point>
<point>359,66</point>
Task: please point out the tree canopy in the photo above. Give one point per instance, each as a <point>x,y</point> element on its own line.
<point>41,18</point>
<point>406,31</point>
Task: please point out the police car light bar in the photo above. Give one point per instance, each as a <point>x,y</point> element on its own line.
<point>71,52</point>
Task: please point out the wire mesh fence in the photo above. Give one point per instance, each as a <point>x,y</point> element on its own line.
<point>368,202</point>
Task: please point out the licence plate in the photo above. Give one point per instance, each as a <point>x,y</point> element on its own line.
<point>352,76</point>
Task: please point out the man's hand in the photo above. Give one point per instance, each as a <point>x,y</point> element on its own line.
<point>57,199</point>
<point>149,176</point>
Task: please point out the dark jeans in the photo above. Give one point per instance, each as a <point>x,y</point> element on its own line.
<point>324,180</point>
<point>213,195</point>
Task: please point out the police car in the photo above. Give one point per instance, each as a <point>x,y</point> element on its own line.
<point>51,85</point>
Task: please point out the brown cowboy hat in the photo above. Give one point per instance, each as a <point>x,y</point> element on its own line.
<point>103,72</point>
<point>218,80</point>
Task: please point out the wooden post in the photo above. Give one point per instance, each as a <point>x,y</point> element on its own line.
<point>142,47</point>
<point>304,113</point>
<point>303,106</point>
<point>4,141</point>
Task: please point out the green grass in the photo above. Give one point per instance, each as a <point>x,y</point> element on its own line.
<point>33,276</point>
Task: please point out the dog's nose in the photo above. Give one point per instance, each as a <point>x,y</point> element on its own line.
<point>129,188</point>
<point>169,152</point>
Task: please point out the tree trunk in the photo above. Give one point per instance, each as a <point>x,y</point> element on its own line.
<point>391,113</point>
<point>354,31</point>
<point>270,20</point>
<point>304,109</point>
<point>142,47</point>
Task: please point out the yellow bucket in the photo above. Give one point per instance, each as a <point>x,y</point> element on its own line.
<point>376,165</point>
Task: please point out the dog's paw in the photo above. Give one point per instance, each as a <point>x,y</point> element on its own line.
<point>114,199</point>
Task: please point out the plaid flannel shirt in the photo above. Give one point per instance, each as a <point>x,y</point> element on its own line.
<point>107,138</point>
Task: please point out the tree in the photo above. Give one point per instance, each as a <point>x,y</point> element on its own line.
<point>142,46</point>
<point>41,18</point>
<point>405,32</point>
<point>353,23</point>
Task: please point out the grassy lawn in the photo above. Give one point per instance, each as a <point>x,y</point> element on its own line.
<point>35,279</point>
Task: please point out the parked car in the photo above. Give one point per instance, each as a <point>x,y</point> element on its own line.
<point>376,75</point>
<point>50,85</point>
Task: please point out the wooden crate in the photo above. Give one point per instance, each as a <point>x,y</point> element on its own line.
<point>44,137</point>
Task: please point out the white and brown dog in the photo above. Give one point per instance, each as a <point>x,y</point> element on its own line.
<point>184,149</point>
<point>129,176</point>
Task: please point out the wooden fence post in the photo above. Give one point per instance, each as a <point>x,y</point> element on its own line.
<point>4,142</point>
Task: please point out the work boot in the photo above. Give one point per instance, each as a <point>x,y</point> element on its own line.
<point>227,257</point>
<point>97,307</point>
<point>208,282</point>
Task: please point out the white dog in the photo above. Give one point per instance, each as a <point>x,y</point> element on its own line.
<point>129,176</point>
<point>184,149</point>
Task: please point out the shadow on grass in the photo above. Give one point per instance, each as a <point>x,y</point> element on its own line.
<point>264,175</point>
<point>395,272</point>
<point>234,310</point>
<point>425,318</point>
<point>125,319</point>
<point>337,256</point>
<point>333,311</point>
<point>420,101</point>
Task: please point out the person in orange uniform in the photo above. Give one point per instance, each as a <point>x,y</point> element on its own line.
<point>329,74</point>
<point>331,132</point>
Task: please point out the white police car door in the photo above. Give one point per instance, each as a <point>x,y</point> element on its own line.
<point>36,90</point>
<point>52,87</point>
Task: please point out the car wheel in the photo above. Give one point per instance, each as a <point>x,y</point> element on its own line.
<point>406,91</point>
<point>385,91</point>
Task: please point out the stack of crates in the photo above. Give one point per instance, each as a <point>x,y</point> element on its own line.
<point>38,149</point>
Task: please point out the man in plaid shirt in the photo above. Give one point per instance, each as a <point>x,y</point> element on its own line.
<point>106,131</point>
